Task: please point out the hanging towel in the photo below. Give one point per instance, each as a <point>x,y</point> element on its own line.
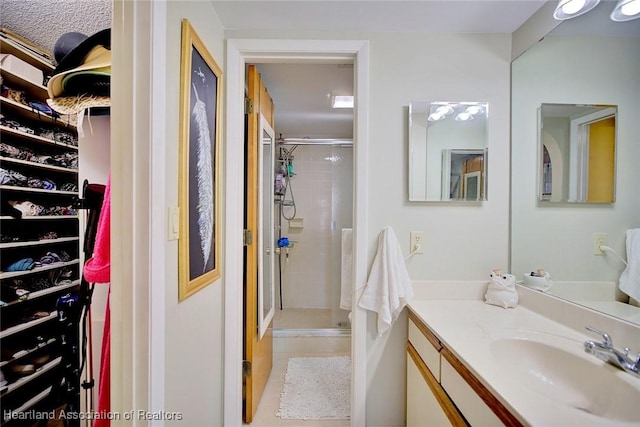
<point>388,287</point>
<point>630,277</point>
<point>346,270</point>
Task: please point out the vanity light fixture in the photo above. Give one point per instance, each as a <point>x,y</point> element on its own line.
<point>444,110</point>
<point>464,111</point>
<point>568,9</point>
<point>439,111</point>
<point>474,109</point>
<point>464,116</point>
<point>341,101</point>
<point>626,10</point>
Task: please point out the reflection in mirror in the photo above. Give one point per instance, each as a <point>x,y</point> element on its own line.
<point>577,151</point>
<point>448,151</point>
<point>586,60</point>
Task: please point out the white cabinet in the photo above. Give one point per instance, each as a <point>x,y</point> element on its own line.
<point>427,403</point>
<point>474,409</point>
<point>423,408</point>
<point>442,391</point>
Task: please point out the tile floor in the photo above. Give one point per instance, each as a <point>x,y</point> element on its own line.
<point>270,402</point>
<point>308,318</point>
<point>299,346</point>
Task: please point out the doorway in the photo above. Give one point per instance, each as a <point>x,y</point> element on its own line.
<point>310,193</point>
<point>313,194</point>
<point>239,53</point>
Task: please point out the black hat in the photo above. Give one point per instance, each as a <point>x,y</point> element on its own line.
<point>66,43</point>
<point>83,64</point>
<point>71,48</point>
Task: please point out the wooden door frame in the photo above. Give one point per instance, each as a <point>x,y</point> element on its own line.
<point>240,52</point>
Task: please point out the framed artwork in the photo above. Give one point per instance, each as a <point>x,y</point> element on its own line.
<point>199,165</point>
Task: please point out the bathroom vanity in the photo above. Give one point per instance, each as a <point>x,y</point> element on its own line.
<point>470,363</point>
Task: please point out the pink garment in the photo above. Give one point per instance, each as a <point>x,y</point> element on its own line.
<point>97,269</point>
<point>104,389</point>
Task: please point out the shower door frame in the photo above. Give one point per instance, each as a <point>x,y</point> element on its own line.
<point>239,53</point>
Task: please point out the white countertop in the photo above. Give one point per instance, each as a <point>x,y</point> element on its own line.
<point>469,327</point>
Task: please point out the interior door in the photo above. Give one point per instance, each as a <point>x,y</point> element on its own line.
<point>602,161</point>
<point>258,344</point>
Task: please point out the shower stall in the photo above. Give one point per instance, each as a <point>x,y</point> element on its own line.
<point>313,194</point>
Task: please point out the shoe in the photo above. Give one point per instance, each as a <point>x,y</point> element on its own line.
<point>22,369</point>
<point>40,360</point>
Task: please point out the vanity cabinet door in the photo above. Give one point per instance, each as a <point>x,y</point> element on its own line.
<point>467,400</point>
<point>423,408</point>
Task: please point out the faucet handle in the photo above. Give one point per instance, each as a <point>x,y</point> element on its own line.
<point>606,339</point>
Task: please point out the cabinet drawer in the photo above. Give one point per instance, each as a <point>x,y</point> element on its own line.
<point>473,399</point>
<point>426,344</point>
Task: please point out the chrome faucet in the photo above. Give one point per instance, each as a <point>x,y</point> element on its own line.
<point>605,351</point>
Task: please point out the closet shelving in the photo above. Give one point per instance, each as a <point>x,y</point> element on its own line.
<point>34,360</point>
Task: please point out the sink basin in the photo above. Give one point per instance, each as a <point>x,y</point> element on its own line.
<point>569,377</point>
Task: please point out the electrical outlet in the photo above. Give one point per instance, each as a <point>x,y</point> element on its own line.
<point>599,239</point>
<point>417,238</point>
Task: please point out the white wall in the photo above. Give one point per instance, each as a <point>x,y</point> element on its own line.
<point>462,242</point>
<point>194,327</point>
<point>584,70</point>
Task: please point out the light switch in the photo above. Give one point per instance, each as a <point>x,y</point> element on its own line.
<point>174,223</point>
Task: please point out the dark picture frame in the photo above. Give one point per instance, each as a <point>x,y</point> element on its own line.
<point>199,165</point>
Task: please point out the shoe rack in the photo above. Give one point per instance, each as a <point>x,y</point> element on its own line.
<point>39,246</point>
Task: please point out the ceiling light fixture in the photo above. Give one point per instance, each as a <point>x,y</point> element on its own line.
<point>568,9</point>
<point>341,101</point>
<point>626,10</point>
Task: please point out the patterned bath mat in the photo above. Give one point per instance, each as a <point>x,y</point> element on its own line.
<point>316,388</point>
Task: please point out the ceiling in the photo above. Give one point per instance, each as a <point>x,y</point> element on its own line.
<point>43,21</point>
<point>300,93</point>
<point>426,16</point>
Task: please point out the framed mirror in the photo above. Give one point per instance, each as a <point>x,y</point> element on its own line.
<point>448,151</point>
<point>577,153</point>
<point>266,234</point>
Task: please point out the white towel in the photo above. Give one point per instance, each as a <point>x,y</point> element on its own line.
<point>630,277</point>
<point>346,270</point>
<point>388,287</point>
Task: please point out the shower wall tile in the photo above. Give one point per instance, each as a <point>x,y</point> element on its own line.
<point>322,188</point>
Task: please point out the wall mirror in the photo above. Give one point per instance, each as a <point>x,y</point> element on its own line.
<point>577,153</point>
<point>448,151</point>
<point>584,61</point>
